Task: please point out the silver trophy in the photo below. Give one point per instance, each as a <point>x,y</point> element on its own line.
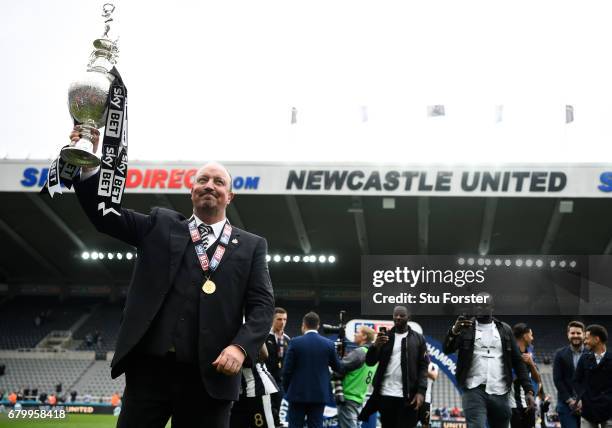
<point>87,96</point>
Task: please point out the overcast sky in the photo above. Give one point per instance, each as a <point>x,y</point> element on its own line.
<point>217,80</point>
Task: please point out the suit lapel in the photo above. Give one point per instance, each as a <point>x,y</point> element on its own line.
<point>179,238</point>
<point>231,247</point>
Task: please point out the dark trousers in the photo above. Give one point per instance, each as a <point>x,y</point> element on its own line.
<point>396,412</point>
<point>523,418</point>
<point>157,388</point>
<point>481,408</point>
<point>567,417</point>
<point>312,412</point>
<point>277,399</point>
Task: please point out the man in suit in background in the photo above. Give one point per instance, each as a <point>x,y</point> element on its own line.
<point>593,380</point>
<point>276,344</point>
<point>182,340</point>
<point>306,378</point>
<point>564,365</point>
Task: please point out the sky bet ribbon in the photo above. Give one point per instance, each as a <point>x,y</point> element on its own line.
<point>113,167</point>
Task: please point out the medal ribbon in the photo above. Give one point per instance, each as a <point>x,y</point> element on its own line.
<point>196,238</point>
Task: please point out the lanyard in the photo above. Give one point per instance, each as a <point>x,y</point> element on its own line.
<point>209,266</point>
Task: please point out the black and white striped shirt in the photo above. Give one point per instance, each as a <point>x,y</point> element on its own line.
<point>257,381</point>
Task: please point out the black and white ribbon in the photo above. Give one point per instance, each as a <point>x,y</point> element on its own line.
<point>113,167</point>
<point>114,159</point>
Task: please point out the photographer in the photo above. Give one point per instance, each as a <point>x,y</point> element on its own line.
<point>400,381</point>
<point>487,355</point>
<point>357,379</point>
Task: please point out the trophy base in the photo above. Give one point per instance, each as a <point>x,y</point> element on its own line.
<point>79,157</point>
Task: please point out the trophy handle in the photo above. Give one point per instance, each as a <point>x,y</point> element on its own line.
<point>81,152</point>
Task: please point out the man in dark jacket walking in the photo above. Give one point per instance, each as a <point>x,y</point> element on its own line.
<point>487,355</point>
<point>400,381</point>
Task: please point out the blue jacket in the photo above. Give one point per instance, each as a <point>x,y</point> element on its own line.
<point>306,376</point>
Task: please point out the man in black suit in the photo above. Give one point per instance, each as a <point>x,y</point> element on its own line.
<point>277,344</point>
<point>564,365</point>
<point>191,319</point>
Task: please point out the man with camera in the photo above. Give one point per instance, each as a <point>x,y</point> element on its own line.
<point>400,381</point>
<point>357,379</point>
<point>487,355</point>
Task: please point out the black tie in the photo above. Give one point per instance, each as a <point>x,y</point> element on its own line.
<point>204,232</point>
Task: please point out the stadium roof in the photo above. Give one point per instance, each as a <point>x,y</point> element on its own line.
<point>43,239</point>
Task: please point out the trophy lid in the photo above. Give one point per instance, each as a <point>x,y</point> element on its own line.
<point>105,53</point>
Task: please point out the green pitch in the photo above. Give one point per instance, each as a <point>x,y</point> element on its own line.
<point>71,421</point>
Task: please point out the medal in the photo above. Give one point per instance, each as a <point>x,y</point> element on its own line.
<point>209,287</point>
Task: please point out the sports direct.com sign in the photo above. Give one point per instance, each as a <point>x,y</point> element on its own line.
<point>590,181</point>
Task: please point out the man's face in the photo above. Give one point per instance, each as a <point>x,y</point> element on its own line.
<point>486,307</point>
<point>279,323</point>
<point>400,318</point>
<point>211,188</point>
<point>590,342</point>
<point>528,337</point>
<point>575,336</point>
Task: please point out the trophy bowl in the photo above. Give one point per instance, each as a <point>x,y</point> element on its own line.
<point>87,97</point>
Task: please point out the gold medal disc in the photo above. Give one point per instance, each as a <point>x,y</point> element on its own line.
<point>209,287</point>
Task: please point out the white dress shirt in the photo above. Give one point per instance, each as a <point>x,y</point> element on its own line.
<point>487,362</point>
<point>217,228</point>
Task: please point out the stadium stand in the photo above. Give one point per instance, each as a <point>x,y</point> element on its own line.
<point>104,321</point>
<point>25,321</point>
<point>77,368</point>
<point>43,372</point>
<point>97,381</point>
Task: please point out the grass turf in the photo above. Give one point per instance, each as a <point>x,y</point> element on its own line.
<point>71,421</point>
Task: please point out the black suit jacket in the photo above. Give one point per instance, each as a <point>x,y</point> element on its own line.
<point>274,363</point>
<point>464,342</point>
<point>563,374</point>
<point>242,279</point>
<point>593,385</point>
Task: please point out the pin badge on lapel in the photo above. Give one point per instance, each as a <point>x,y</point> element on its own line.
<point>234,241</point>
